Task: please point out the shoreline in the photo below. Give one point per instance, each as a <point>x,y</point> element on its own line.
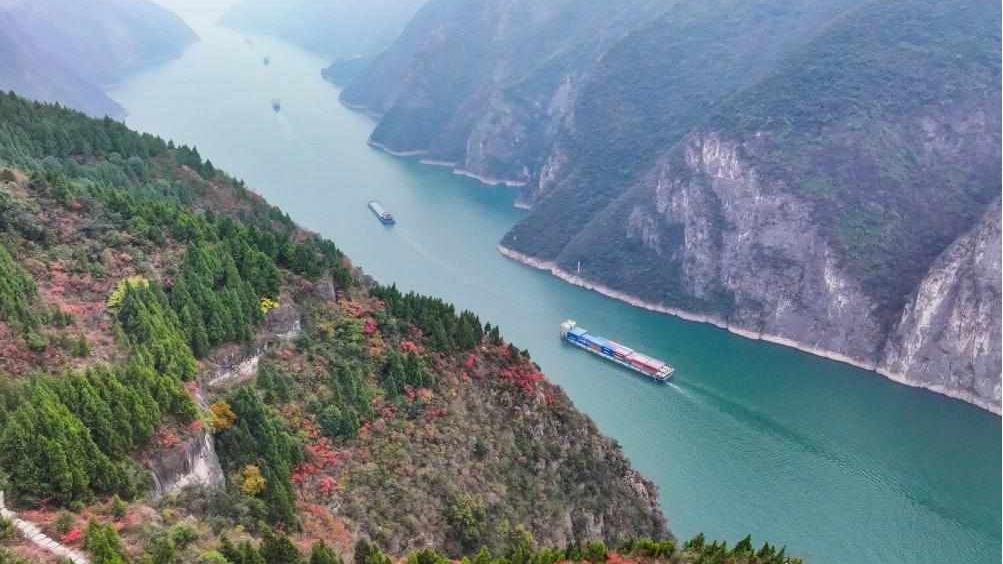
<point>433,162</point>
<point>489,180</point>
<point>486,180</point>
<point>356,107</point>
<point>451,165</point>
<point>570,278</point>
<point>389,151</point>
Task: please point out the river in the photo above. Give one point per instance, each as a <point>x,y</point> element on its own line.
<point>837,463</point>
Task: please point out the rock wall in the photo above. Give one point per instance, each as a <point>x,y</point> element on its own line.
<point>746,253</point>
<point>948,338</point>
<point>193,462</point>
<point>751,252</point>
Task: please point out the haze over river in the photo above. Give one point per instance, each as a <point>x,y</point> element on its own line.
<point>837,463</point>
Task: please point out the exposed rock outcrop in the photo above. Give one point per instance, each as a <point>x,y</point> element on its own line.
<point>719,237</point>
<point>486,85</point>
<point>948,338</point>
<point>192,462</point>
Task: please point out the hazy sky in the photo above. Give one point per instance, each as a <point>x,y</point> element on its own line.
<point>197,9</point>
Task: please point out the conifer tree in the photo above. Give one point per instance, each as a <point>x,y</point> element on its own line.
<point>322,554</point>
<point>102,542</point>
<point>276,548</point>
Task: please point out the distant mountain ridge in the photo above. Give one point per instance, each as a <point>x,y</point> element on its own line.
<point>71,52</point>
<point>338,29</point>
<point>792,170</point>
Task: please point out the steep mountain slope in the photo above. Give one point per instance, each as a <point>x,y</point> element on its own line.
<point>69,52</point>
<point>27,68</point>
<point>676,164</point>
<point>483,85</point>
<point>154,313</point>
<point>339,29</point>
<point>951,325</point>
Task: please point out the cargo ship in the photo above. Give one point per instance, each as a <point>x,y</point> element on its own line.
<point>385,217</point>
<point>651,367</point>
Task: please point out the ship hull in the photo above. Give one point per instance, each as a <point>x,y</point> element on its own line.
<point>660,377</point>
<point>385,217</point>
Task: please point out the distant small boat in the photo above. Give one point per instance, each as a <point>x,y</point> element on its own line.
<point>385,217</point>
<point>276,105</point>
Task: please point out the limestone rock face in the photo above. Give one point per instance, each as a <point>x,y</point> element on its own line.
<point>192,462</point>
<point>748,252</point>
<point>948,337</point>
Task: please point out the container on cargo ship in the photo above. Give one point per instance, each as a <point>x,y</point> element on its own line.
<point>615,352</point>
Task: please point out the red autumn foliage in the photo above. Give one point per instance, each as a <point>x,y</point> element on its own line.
<point>471,361</point>
<point>418,394</point>
<point>72,536</point>
<point>523,375</point>
<point>166,438</point>
<point>302,472</point>
<point>410,346</point>
<point>326,485</point>
<point>435,413</point>
<point>369,326</point>
<point>388,412</point>
<point>322,453</point>
<point>617,558</point>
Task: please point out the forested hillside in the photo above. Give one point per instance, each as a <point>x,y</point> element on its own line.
<point>669,158</point>
<point>69,52</point>
<point>155,314</point>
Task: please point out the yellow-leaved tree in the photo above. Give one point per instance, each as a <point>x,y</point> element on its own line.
<point>118,294</point>
<point>252,482</point>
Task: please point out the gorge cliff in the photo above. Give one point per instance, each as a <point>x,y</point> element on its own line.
<point>71,52</point>
<point>813,173</point>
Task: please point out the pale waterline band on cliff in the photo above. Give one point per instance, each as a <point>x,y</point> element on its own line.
<point>486,180</point>
<point>721,324</point>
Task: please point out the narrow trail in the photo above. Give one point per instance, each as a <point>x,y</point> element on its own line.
<point>34,535</point>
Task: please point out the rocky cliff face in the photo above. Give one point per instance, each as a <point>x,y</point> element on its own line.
<point>724,234</point>
<point>485,85</point>
<point>725,241</point>
<point>948,338</point>
<point>193,462</point>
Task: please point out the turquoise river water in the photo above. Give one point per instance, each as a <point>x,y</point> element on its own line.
<point>835,462</point>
